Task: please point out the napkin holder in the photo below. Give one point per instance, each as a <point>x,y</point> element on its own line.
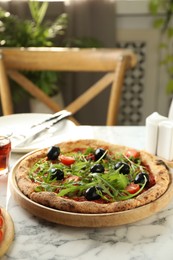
<point>159,137</point>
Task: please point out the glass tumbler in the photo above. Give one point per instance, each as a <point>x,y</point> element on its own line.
<point>5,152</point>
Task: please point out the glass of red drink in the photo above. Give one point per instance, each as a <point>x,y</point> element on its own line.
<point>5,151</point>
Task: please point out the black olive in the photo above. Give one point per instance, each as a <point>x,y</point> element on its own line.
<point>99,152</point>
<point>53,153</point>
<point>124,167</point>
<point>92,194</point>
<point>97,168</point>
<point>56,174</point>
<point>141,178</point>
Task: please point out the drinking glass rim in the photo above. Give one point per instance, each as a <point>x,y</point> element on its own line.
<point>6,139</point>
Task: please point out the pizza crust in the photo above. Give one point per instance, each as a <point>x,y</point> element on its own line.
<point>8,232</point>
<point>50,199</point>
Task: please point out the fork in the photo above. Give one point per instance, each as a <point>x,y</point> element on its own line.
<point>25,139</point>
<point>52,117</point>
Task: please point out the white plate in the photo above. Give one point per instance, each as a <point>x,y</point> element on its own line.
<point>20,123</point>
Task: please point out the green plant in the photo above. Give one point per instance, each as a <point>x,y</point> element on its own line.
<point>162,11</point>
<point>39,32</point>
<point>15,32</point>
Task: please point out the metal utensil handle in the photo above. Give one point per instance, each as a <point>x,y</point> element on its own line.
<point>34,136</point>
<point>52,117</point>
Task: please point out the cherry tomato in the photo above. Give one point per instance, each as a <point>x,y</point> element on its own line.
<point>132,188</point>
<point>1,235</point>
<point>67,160</point>
<point>132,153</point>
<point>1,221</point>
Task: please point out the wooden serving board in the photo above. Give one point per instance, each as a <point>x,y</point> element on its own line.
<point>8,232</point>
<point>88,220</point>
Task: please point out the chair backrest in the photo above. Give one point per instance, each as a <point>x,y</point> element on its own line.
<point>114,62</point>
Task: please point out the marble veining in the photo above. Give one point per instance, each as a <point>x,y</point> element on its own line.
<point>148,239</point>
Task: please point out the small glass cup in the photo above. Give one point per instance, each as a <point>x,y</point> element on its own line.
<point>5,152</point>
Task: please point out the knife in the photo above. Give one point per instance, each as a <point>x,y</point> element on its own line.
<point>31,137</point>
<point>52,117</point>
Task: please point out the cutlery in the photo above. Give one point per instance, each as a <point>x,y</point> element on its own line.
<point>52,117</point>
<point>19,136</point>
<point>31,137</point>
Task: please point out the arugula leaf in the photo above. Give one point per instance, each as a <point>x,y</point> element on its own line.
<point>45,187</point>
<point>112,183</point>
<point>89,150</point>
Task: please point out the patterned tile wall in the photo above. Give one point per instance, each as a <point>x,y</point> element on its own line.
<point>131,106</point>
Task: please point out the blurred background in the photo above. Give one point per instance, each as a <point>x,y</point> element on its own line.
<point>130,24</point>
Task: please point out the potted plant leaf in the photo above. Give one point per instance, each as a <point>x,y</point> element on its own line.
<point>16,32</point>
<point>162,11</point>
<point>39,32</point>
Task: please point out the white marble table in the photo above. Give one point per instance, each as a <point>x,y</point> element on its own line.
<point>35,238</point>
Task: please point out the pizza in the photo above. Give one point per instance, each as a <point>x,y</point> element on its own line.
<point>92,177</point>
<point>2,226</point>
<point>6,231</point>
